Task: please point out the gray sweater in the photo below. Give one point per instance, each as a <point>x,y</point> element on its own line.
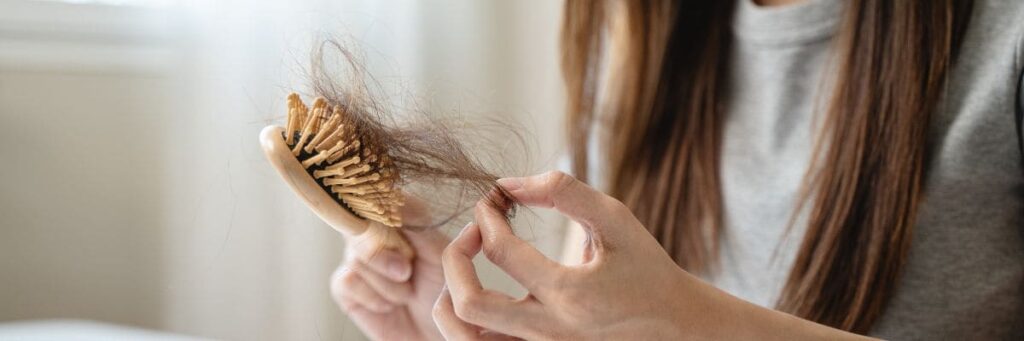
<point>965,276</point>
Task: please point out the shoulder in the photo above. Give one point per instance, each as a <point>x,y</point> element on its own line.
<point>1001,24</point>
<point>1001,8</point>
<point>976,124</point>
<point>991,55</point>
<point>1006,16</point>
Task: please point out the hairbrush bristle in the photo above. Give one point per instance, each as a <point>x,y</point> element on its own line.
<point>359,175</point>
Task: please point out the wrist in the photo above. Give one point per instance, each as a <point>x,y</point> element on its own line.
<point>702,311</point>
<point>717,315</point>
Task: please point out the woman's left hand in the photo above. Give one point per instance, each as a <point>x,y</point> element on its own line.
<point>626,288</point>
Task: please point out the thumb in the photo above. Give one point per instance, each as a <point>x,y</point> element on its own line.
<point>599,214</point>
<point>386,261</point>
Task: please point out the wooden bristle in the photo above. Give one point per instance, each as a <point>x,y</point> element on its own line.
<point>360,176</point>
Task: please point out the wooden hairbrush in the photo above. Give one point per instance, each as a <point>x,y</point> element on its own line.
<point>350,183</point>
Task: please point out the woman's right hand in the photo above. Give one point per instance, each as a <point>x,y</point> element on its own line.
<point>389,296</point>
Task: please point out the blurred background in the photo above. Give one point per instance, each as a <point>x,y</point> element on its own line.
<point>132,188</point>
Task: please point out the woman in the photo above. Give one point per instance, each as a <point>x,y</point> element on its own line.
<point>775,170</point>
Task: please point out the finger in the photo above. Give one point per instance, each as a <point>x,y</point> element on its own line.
<point>349,289</point>
<point>457,260</point>
<point>451,327</point>
<point>488,335</point>
<point>337,289</point>
<point>346,303</point>
<point>394,292</point>
<point>378,326</point>
<point>513,255</point>
<point>475,305</point>
<point>594,210</point>
<point>387,262</point>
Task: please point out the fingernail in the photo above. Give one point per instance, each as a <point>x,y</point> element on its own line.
<point>511,184</point>
<point>398,270</point>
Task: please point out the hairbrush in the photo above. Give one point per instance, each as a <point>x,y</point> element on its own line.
<point>347,180</point>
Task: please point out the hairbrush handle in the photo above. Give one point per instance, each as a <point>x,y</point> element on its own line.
<point>318,200</point>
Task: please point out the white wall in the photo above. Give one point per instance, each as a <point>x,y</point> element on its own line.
<point>131,186</point>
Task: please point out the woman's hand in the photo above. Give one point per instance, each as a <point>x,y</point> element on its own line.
<point>386,294</point>
<point>626,288</point>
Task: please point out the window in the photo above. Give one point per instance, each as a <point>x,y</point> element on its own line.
<point>86,35</point>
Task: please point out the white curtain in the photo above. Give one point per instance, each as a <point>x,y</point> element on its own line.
<point>133,190</point>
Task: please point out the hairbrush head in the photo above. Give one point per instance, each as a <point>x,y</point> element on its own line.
<point>344,179</point>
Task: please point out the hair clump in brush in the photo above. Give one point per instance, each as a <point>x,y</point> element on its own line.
<point>360,175</point>
<point>357,149</point>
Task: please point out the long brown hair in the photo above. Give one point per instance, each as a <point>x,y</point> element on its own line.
<point>664,100</point>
